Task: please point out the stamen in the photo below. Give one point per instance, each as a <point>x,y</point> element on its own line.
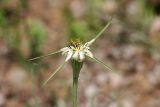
<point>76,44</point>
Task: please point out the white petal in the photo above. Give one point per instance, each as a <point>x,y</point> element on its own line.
<point>75,56</point>
<point>69,55</point>
<point>81,56</point>
<point>71,47</point>
<point>65,49</point>
<point>89,53</point>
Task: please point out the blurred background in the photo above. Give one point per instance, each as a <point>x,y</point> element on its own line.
<point>131,46</point>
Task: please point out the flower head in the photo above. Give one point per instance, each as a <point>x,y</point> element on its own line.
<point>77,51</point>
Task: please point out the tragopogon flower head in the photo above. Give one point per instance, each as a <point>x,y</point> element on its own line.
<point>77,51</point>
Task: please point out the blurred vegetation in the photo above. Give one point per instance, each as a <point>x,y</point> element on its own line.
<point>18,26</point>
<point>83,27</point>
<point>36,33</point>
<point>75,28</point>
<point>14,28</point>
<point>87,25</point>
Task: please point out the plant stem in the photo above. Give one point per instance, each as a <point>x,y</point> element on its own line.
<point>76,66</point>
<point>74,91</point>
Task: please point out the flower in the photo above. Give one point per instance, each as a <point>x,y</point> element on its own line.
<point>77,51</point>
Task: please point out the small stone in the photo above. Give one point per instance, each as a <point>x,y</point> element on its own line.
<point>110,6</point>
<point>77,8</point>
<point>17,76</point>
<point>91,90</point>
<point>2,99</point>
<point>115,79</point>
<point>155,30</point>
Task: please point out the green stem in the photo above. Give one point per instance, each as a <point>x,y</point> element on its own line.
<point>74,92</point>
<point>76,66</point>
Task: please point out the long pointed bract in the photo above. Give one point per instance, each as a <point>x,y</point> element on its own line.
<point>100,33</point>
<point>54,73</point>
<point>102,63</point>
<point>45,55</point>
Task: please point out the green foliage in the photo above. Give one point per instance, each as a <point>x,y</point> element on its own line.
<point>93,7</point>
<point>8,28</point>
<point>146,13</point>
<point>82,28</point>
<point>24,4</point>
<point>10,32</point>
<point>78,30</point>
<point>4,1</point>
<point>12,38</point>
<point>3,20</point>
<point>37,34</point>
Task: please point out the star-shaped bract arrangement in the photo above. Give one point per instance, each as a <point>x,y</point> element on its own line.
<point>77,51</point>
